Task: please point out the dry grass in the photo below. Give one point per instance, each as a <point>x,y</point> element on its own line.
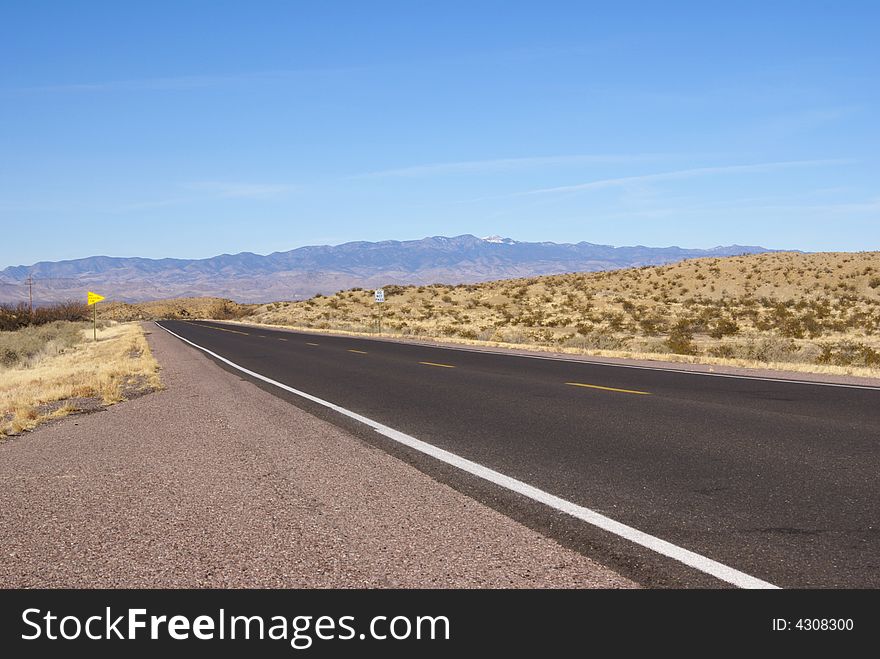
<point>184,308</point>
<point>808,312</point>
<point>29,345</point>
<point>53,383</point>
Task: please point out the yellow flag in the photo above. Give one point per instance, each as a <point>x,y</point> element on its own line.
<point>94,297</point>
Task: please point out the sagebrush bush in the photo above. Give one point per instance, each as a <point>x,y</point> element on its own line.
<point>723,327</point>
<point>29,343</point>
<point>681,339</point>
<point>595,340</point>
<point>848,353</point>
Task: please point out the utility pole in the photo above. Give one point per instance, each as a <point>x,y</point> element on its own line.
<point>30,284</point>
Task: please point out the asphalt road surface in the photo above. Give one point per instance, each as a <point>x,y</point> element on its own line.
<point>775,480</point>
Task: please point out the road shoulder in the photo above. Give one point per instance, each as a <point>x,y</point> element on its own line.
<point>214,482</point>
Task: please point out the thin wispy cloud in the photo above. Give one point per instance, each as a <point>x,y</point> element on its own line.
<point>864,209</point>
<point>681,174</point>
<point>174,83</point>
<point>804,121</point>
<point>845,208</point>
<point>507,164</point>
<point>239,190</point>
<point>206,191</point>
<point>155,203</point>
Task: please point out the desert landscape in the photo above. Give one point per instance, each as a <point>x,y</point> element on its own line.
<point>788,311</point>
<point>54,363</point>
<point>815,312</point>
<point>326,326</point>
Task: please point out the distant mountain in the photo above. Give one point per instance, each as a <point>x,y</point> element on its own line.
<point>303,272</point>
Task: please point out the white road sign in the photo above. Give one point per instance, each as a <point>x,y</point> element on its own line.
<point>380,295</point>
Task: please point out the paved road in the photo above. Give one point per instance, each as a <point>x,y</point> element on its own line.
<point>215,483</point>
<point>777,480</point>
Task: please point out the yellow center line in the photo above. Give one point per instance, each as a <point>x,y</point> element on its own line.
<point>622,391</point>
<point>280,339</point>
<point>433,364</point>
<point>311,344</point>
<point>360,352</point>
<point>220,329</point>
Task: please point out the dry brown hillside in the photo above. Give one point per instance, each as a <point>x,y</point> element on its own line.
<point>820,309</point>
<point>181,308</point>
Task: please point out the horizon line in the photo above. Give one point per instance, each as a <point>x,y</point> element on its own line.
<point>414,240</point>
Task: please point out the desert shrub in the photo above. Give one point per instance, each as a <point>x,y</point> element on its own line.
<point>811,324</point>
<point>614,320</point>
<point>652,325</point>
<point>681,339</point>
<point>723,327</point>
<point>595,340</point>
<point>29,343</point>
<point>790,327</point>
<point>13,317</point>
<point>513,335</point>
<point>63,311</point>
<point>769,349</point>
<point>848,353</point>
<point>724,351</point>
<point>227,310</point>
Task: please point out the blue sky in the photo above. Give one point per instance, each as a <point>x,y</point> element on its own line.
<point>190,129</point>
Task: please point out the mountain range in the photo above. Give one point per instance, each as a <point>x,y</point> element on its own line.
<point>306,271</point>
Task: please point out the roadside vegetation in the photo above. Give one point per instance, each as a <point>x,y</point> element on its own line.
<point>815,312</point>
<point>29,346</point>
<point>16,316</point>
<point>50,370</point>
<point>185,308</point>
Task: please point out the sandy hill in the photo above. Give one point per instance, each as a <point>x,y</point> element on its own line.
<point>182,308</point>
<point>786,307</point>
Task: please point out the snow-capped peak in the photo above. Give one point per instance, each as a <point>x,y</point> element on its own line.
<point>498,239</point>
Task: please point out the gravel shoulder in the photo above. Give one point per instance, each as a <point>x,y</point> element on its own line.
<point>214,482</point>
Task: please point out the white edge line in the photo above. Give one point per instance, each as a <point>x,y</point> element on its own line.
<point>689,558</point>
<point>570,360</point>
